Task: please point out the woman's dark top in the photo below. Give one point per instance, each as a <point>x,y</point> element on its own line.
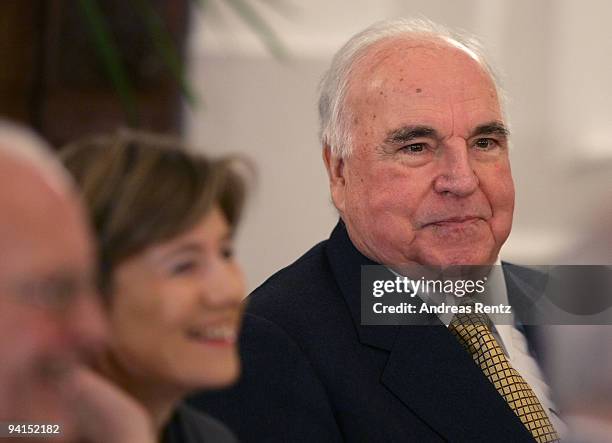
<point>190,426</point>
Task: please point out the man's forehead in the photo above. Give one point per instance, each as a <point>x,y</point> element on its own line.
<point>422,67</point>
<point>433,84</point>
<point>42,240</point>
<point>33,210</point>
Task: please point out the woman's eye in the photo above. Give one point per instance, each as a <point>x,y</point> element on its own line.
<point>227,252</point>
<point>485,143</point>
<point>415,148</point>
<point>183,267</point>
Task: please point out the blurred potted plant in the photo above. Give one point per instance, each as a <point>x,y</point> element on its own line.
<point>77,67</point>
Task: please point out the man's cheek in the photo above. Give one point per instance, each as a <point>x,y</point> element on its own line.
<point>498,185</point>
<point>503,195</point>
<point>388,196</point>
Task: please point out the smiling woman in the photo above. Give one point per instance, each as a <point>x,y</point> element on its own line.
<point>165,219</point>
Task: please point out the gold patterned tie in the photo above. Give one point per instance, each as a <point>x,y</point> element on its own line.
<point>474,333</point>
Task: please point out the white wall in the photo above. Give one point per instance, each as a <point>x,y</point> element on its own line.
<point>557,65</point>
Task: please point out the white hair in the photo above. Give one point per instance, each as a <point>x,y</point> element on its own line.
<point>23,144</point>
<point>334,122</point>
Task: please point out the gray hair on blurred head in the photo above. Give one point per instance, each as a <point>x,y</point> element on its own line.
<point>334,117</point>
<point>23,144</point>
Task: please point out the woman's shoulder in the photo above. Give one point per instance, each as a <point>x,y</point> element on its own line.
<point>188,425</point>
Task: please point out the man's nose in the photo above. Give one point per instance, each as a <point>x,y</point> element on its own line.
<point>457,176</point>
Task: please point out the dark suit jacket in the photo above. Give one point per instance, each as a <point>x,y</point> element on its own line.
<point>313,373</point>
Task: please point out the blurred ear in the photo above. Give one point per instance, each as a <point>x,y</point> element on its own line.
<point>335,171</point>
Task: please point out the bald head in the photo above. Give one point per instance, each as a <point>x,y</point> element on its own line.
<point>38,203</point>
<point>38,209</point>
<point>21,146</point>
<point>49,314</point>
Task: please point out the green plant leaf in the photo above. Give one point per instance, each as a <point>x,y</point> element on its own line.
<point>166,48</point>
<point>107,51</point>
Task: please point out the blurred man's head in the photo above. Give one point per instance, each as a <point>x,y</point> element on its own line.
<point>49,314</point>
<point>416,147</point>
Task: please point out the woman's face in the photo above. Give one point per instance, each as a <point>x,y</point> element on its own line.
<point>176,309</point>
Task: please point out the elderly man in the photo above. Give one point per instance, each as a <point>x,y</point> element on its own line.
<point>416,150</point>
<point>50,316</point>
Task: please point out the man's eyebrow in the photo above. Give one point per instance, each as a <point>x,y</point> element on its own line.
<point>491,128</point>
<point>408,133</point>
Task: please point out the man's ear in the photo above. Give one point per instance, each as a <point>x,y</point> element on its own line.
<point>335,171</point>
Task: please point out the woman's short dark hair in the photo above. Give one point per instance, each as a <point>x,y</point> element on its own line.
<point>142,189</point>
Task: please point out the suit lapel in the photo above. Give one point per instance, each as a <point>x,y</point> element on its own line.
<point>525,288</point>
<point>427,369</point>
<point>346,262</point>
<point>433,376</point>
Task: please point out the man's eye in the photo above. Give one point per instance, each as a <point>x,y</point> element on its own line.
<point>415,148</point>
<point>55,293</point>
<point>485,143</point>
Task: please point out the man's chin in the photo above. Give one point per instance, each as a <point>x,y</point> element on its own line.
<point>478,248</point>
<point>459,256</point>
